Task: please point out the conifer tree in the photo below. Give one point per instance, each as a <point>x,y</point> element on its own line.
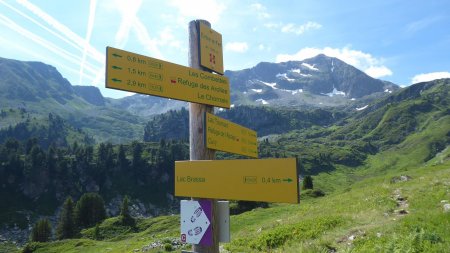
<point>125,216</point>
<point>66,226</point>
<point>42,231</point>
<point>90,210</point>
<point>307,183</point>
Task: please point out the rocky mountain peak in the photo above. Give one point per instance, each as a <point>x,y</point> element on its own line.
<point>296,82</point>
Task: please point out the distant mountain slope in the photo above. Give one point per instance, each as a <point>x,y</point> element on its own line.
<point>415,119</point>
<point>317,81</point>
<point>324,138</point>
<point>174,125</point>
<point>90,94</point>
<point>33,81</point>
<point>145,105</point>
<point>39,89</point>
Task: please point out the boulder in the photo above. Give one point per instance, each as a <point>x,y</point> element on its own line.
<point>446,208</point>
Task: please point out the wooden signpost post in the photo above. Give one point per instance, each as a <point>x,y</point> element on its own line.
<point>271,180</point>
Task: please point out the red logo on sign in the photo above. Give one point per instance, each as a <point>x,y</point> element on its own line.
<point>183,237</point>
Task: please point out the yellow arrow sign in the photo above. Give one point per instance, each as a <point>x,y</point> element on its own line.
<point>269,180</point>
<point>227,136</point>
<point>211,55</point>
<point>137,73</point>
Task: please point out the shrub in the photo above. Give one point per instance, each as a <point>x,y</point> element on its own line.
<point>313,193</point>
<point>168,247</point>
<point>30,247</point>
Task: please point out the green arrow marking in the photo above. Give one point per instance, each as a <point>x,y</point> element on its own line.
<point>117,55</point>
<point>116,80</point>
<point>288,180</point>
<point>115,67</point>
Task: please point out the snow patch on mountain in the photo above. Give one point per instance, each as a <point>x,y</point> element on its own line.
<point>272,85</point>
<point>284,76</point>
<point>332,66</point>
<point>387,91</point>
<point>257,90</point>
<point>293,92</point>
<point>311,67</point>
<point>295,71</point>
<point>362,108</point>
<point>335,92</point>
<point>264,102</point>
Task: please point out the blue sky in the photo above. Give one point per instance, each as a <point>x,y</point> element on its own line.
<point>399,41</point>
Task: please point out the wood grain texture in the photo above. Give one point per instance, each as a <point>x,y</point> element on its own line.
<point>197,145</point>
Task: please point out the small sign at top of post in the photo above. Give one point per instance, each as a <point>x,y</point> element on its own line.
<point>211,56</point>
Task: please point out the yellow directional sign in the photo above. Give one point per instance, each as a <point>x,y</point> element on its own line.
<point>269,180</point>
<point>227,136</point>
<point>211,55</point>
<point>133,72</point>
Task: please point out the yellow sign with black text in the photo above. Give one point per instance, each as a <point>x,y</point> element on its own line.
<point>230,137</point>
<point>211,55</point>
<point>137,73</point>
<point>268,180</point>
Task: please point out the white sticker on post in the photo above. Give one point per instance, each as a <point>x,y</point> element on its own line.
<point>195,222</point>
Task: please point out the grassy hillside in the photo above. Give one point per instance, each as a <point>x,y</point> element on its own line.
<point>39,89</point>
<point>382,194</point>
<point>378,213</point>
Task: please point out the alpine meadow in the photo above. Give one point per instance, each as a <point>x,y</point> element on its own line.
<point>301,127</point>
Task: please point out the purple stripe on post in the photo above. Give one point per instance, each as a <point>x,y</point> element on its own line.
<point>207,239</point>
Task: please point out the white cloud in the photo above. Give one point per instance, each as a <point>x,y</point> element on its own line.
<point>422,24</point>
<point>210,10</point>
<point>69,57</point>
<point>293,28</point>
<point>167,38</point>
<point>130,22</point>
<point>63,30</point>
<point>378,71</point>
<point>92,7</point>
<point>429,77</point>
<point>128,12</point>
<point>239,47</point>
<point>272,26</point>
<point>300,29</point>
<point>366,62</point>
<point>260,10</point>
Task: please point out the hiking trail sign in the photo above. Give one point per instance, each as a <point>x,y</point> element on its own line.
<point>269,180</point>
<point>230,137</point>
<point>211,56</point>
<point>137,73</point>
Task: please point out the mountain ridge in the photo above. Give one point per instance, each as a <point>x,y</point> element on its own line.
<point>288,82</point>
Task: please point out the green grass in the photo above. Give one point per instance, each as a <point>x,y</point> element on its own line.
<point>360,218</point>
<point>360,211</point>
